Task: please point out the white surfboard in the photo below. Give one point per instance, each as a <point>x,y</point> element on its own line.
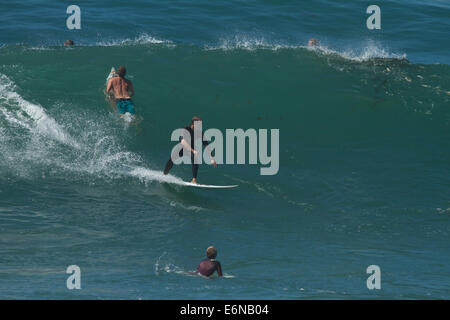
<point>208,186</point>
<point>110,96</point>
<point>111,74</point>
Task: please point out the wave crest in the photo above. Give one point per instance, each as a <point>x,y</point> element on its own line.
<point>142,39</point>
<point>364,52</point>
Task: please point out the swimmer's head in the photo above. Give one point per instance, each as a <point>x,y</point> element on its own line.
<point>121,71</point>
<point>313,42</point>
<point>196,121</point>
<point>68,43</point>
<point>211,252</point>
<point>195,118</point>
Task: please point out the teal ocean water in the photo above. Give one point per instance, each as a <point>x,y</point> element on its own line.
<point>364,175</point>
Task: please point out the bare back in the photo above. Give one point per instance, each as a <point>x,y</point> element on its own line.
<point>122,88</point>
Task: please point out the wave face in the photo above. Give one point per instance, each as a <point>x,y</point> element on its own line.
<point>311,95</point>
<point>364,162</point>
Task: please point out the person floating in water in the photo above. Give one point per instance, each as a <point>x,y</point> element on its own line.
<point>68,43</point>
<point>196,122</point>
<point>313,42</point>
<point>208,266</point>
<point>123,91</point>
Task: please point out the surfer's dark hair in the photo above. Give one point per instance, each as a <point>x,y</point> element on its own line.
<point>195,119</point>
<point>121,71</point>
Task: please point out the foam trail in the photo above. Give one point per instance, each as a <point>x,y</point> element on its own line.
<point>40,121</point>
<point>102,158</point>
<point>145,174</point>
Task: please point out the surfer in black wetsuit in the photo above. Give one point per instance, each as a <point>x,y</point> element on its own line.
<point>208,266</point>
<point>197,121</point>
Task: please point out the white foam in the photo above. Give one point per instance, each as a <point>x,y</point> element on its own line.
<point>141,39</point>
<point>145,175</point>
<point>367,50</point>
<point>41,48</point>
<point>127,117</point>
<point>40,122</point>
<point>249,43</point>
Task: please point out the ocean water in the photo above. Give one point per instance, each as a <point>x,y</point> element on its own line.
<point>364,174</point>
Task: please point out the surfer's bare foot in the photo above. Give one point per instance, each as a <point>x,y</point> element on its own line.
<point>194,180</point>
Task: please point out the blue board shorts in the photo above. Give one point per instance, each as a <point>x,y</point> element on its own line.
<point>125,105</point>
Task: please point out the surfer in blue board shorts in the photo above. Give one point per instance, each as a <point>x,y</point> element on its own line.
<point>190,129</point>
<point>208,266</point>
<point>123,91</point>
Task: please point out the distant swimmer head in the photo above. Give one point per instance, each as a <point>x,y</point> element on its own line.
<point>194,120</point>
<point>211,252</point>
<point>313,42</point>
<point>121,71</point>
<point>68,43</point>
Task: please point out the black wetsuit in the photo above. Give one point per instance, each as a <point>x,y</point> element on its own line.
<point>169,163</point>
<point>207,267</point>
